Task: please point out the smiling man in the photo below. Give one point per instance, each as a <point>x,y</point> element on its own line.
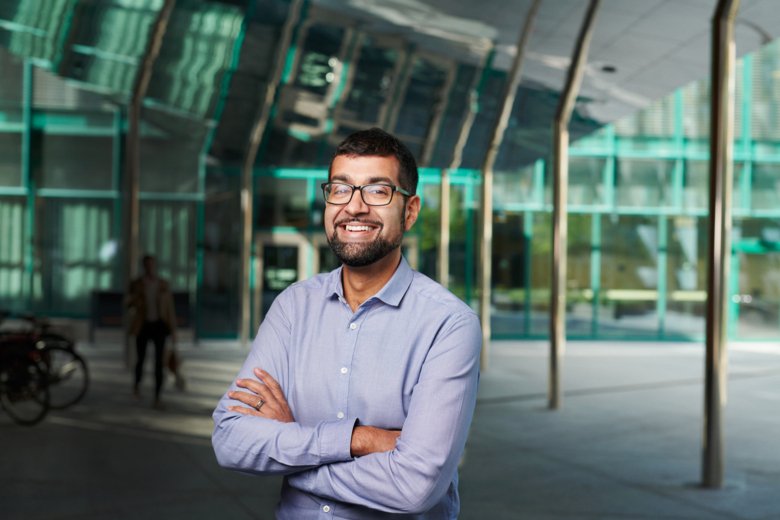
<point>361,383</point>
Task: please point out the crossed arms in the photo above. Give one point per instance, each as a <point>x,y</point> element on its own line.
<point>406,471</point>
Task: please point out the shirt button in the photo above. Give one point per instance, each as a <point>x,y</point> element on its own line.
<point>326,509</point>
<point>344,370</point>
<point>353,326</point>
<point>340,415</point>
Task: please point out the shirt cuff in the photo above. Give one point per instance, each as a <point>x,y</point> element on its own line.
<point>336,440</point>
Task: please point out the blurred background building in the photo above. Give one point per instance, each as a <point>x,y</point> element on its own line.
<point>306,74</point>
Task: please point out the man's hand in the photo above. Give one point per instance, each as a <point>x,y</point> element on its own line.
<point>368,439</point>
<point>264,398</point>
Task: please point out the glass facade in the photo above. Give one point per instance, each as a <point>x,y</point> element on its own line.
<point>637,196</point>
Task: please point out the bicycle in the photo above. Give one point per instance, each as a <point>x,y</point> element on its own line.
<point>24,385</point>
<point>65,369</point>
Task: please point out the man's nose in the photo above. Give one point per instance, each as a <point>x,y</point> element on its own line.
<point>357,205</point>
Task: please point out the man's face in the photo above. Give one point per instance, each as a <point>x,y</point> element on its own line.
<point>360,234</point>
<point>150,268</point>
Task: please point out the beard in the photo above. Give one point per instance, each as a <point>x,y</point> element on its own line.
<point>363,253</point>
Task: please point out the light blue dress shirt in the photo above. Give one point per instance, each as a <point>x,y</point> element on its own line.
<point>407,359</point>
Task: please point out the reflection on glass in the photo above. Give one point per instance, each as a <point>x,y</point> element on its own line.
<point>74,162</point>
<point>629,276</point>
<point>509,276</point>
<point>424,91</point>
<point>755,302</point>
<point>12,225</point>
<point>765,191</point>
<point>686,277</point>
<point>644,183</point>
<point>167,230</point>
<point>696,185</point>
<point>280,270</point>
<point>10,160</point>
<point>72,234</point>
<point>541,274</point>
<point>374,78</point>
<point>586,180</point>
<point>281,202</point>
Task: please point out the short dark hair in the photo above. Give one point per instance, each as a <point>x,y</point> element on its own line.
<point>377,142</point>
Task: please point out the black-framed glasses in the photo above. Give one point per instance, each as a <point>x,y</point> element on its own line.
<point>341,193</point>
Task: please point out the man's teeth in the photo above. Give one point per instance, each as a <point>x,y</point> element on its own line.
<point>357,228</point>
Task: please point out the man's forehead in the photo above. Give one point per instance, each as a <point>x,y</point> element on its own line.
<point>365,167</point>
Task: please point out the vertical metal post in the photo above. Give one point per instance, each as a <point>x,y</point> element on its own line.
<point>560,188</point>
<point>255,139</point>
<point>132,139</point>
<point>721,173</point>
<point>486,206</point>
<point>29,182</point>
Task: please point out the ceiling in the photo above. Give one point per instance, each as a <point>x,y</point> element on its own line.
<point>218,57</point>
<point>641,50</point>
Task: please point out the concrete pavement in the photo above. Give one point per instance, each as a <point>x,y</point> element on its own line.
<point>625,445</point>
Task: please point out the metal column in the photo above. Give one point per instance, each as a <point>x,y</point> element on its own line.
<point>486,242</point>
<point>560,188</point>
<point>721,173</point>
<point>132,139</point>
<point>255,139</point>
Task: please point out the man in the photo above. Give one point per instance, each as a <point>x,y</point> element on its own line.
<point>150,300</point>
<point>361,383</point>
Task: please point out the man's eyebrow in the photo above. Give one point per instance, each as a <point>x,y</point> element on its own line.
<point>372,180</point>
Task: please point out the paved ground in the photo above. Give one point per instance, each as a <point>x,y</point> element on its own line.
<point>625,445</point>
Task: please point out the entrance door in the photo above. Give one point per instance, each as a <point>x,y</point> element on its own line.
<point>281,260</point>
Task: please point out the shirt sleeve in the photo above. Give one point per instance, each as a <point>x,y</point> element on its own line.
<point>265,446</point>
<point>417,473</point>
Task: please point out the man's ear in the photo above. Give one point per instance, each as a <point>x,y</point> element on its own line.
<point>412,211</point>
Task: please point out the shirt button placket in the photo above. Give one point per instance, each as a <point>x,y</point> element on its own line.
<point>326,509</point>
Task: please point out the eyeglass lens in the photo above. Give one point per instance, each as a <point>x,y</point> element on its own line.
<point>373,194</point>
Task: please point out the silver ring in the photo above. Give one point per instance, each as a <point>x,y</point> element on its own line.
<point>259,404</point>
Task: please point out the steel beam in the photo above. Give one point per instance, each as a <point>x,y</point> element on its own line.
<point>132,139</point>
<point>486,206</point>
<point>721,174</point>
<point>560,189</point>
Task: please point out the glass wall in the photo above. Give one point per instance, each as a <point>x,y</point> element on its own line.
<point>637,196</point>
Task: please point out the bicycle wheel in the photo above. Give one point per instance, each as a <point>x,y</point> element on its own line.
<point>67,374</point>
<point>24,391</point>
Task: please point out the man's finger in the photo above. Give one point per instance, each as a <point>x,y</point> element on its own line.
<point>271,384</point>
<point>244,410</point>
<point>250,399</point>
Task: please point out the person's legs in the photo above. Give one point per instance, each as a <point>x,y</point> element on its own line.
<point>141,339</point>
<point>159,359</point>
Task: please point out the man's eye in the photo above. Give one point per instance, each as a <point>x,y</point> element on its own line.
<point>377,189</point>
<point>340,189</point>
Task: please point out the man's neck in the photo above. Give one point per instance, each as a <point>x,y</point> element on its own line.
<point>361,283</point>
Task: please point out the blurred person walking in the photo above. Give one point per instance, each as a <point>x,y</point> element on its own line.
<point>153,317</point>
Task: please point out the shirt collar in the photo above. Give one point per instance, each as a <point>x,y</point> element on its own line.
<point>391,293</point>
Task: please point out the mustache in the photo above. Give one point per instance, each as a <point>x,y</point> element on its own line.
<point>343,221</point>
